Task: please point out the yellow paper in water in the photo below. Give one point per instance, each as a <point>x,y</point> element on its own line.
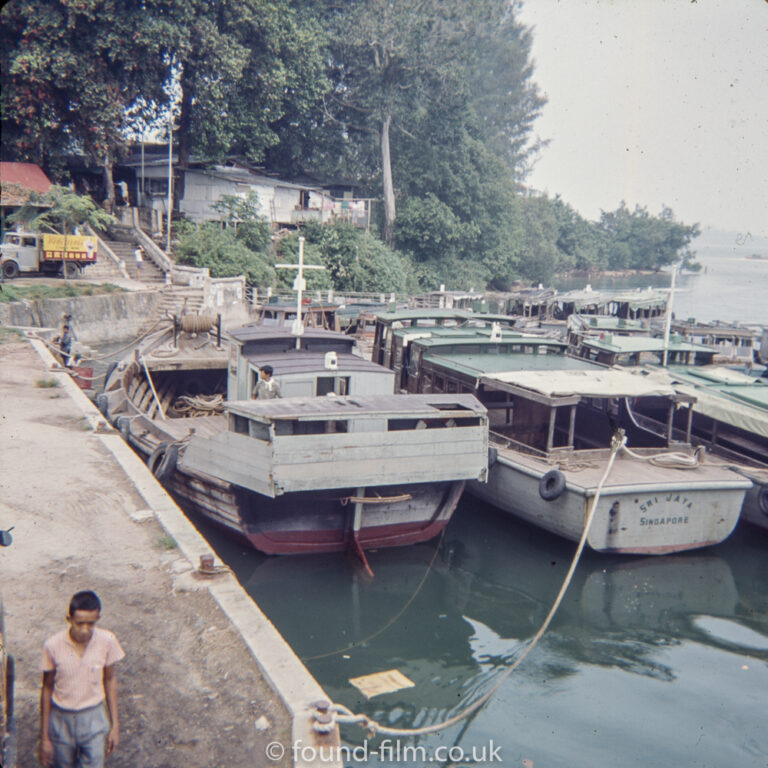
<point>381,682</point>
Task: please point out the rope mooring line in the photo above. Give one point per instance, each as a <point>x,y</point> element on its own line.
<point>391,621</point>
<point>345,716</point>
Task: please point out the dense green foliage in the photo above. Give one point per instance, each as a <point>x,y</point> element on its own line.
<point>223,251</point>
<point>62,210</point>
<point>426,105</point>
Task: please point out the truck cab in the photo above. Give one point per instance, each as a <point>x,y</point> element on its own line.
<point>32,252</point>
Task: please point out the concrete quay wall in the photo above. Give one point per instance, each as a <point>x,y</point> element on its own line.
<point>207,680</point>
<point>98,319</point>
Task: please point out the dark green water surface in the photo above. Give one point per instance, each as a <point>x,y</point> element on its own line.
<point>649,662</point>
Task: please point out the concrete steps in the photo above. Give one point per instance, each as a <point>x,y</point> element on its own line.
<point>180,300</point>
<point>150,273</point>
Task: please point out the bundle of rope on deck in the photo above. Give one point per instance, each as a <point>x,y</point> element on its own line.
<point>671,459</point>
<point>198,405</point>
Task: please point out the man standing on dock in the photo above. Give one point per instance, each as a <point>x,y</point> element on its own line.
<point>79,678</point>
<point>137,255</point>
<point>266,388</point>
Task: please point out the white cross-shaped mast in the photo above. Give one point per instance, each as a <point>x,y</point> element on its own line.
<point>299,285</point>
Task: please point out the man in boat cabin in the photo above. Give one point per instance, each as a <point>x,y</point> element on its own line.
<point>78,700</point>
<point>266,388</point>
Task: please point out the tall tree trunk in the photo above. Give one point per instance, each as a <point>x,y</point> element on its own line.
<point>185,120</point>
<point>109,184</point>
<point>184,140</point>
<point>386,180</point>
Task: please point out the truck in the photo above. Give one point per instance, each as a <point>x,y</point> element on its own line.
<point>34,252</point>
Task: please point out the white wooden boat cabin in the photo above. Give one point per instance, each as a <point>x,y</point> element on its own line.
<point>325,363</point>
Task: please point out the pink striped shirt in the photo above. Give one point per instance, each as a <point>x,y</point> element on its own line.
<point>79,680</point>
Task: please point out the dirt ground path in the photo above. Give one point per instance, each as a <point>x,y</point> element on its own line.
<point>190,692</point>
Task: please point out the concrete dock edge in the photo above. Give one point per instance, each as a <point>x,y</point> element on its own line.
<point>280,666</point>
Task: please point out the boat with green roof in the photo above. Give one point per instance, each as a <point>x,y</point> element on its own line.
<point>729,409</point>
<point>552,421</point>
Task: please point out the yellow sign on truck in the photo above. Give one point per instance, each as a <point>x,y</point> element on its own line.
<point>69,248</point>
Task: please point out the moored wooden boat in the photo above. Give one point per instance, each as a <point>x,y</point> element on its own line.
<point>552,450</point>
<point>339,461</point>
<point>729,412</point>
<point>552,418</point>
<point>324,474</point>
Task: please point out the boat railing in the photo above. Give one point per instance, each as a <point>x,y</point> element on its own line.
<point>505,441</point>
<point>678,436</point>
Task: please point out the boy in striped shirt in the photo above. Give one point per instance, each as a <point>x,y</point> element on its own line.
<point>79,679</point>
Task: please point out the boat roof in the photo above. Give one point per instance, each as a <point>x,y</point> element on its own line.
<point>715,328</point>
<point>584,383</point>
<point>609,322</point>
<point>725,395</point>
<point>253,332</point>
<point>479,363</point>
<point>466,337</point>
<point>287,306</point>
<point>422,314</point>
<point>301,361</point>
<point>463,334</point>
<point>632,344</point>
<point>367,406</point>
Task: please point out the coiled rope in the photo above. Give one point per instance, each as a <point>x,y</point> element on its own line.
<point>198,405</point>
<point>672,459</point>
<point>197,323</point>
<point>343,715</point>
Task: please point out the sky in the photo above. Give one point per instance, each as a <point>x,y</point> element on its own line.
<point>655,102</point>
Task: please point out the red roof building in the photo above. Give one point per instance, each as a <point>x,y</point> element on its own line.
<point>18,179</point>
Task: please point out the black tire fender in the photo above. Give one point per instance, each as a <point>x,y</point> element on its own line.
<point>552,485</point>
<point>124,426</point>
<point>156,458</point>
<point>110,371</point>
<point>102,403</point>
<point>762,499</point>
<point>168,463</point>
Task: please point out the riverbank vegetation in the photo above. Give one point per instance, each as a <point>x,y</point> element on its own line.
<point>68,289</point>
<point>429,107</point>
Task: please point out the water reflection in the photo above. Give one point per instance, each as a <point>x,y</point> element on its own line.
<point>452,615</point>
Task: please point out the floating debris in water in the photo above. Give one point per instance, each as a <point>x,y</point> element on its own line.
<point>381,682</point>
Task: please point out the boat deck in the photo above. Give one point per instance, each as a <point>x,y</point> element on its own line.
<point>583,469</point>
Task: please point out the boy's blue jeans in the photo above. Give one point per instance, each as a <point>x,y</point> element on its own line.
<point>79,736</point>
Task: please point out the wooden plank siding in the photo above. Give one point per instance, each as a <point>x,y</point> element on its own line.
<point>315,462</point>
<point>238,459</point>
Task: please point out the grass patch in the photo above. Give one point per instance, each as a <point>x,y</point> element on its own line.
<point>166,542</point>
<point>67,290</point>
<point>47,383</point>
<point>10,335</point>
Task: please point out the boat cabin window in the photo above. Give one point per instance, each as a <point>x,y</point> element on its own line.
<point>401,425</point>
<point>336,384</point>
<point>238,424</point>
<point>319,427</point>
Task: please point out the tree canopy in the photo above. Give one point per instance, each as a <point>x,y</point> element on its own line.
<point>429,106</point>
